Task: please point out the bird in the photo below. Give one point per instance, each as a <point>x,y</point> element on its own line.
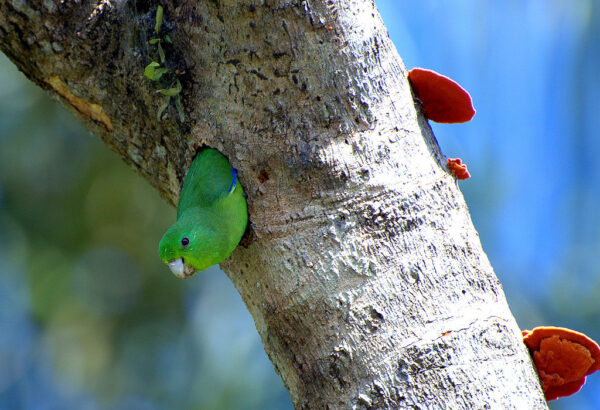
<point>211,216</point>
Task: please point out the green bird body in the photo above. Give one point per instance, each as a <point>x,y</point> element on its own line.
<point>211,216</point>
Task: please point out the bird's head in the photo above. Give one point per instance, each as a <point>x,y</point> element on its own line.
<point>188,248</point>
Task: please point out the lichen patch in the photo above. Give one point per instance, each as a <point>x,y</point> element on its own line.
<point>91,110</point>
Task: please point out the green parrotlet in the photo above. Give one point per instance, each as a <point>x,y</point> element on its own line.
<point>211,216</point>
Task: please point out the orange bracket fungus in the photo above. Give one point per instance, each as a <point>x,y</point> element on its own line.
<point>442,99</point>
<point>563,358</point>
<point>459,169</point>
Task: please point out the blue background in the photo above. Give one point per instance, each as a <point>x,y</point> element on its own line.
<point>90,318</point>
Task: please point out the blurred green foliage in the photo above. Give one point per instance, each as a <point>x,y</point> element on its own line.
<point>89,316</point>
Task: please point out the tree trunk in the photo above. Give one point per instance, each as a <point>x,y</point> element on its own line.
<point>361,267</point>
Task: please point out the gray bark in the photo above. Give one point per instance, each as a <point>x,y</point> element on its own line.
<point>361,268</point>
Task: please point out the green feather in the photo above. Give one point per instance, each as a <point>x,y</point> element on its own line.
<point>211,216</point>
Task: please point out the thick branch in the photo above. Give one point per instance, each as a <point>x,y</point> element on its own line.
<point>362,270</point>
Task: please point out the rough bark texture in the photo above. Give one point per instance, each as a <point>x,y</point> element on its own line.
<point>362,270</point>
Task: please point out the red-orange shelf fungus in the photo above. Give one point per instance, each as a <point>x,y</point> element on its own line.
<point>442,99</point>
<point>459,169</point>
<point>563,359</point>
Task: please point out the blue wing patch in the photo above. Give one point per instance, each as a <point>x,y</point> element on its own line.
<point>233,182</point>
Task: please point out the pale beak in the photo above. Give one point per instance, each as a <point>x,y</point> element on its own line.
<point>176,266</point>
<point>180,269</point>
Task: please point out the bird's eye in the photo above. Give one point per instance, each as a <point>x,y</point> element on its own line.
<point>185,241</point>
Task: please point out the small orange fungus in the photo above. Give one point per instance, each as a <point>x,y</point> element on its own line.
<point>459,169</point>
<point>330,27</point>
<point>563,358</point>
<point>442,99</point>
